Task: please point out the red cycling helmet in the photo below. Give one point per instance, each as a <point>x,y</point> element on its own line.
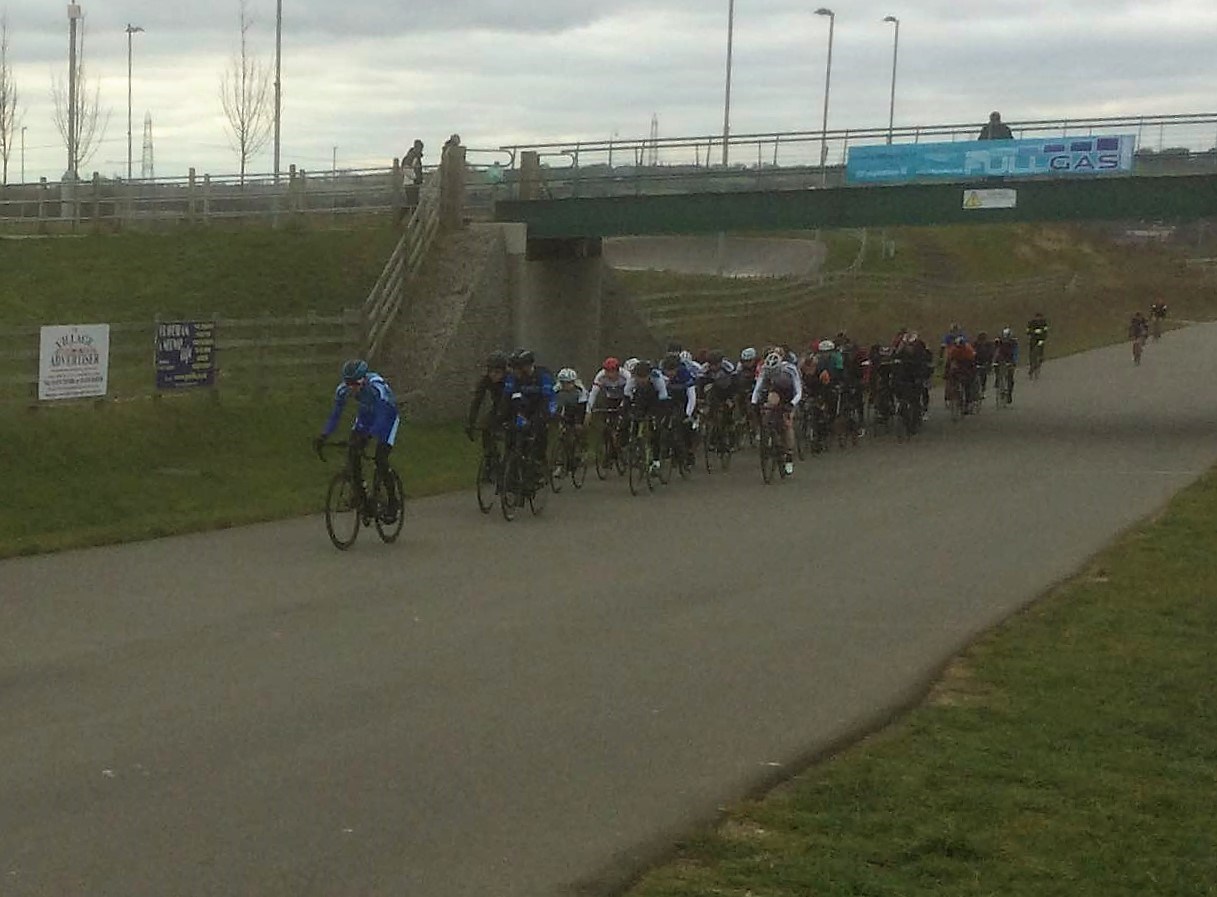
<point>611,365</point>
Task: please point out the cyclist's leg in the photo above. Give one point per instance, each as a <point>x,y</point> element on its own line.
<point>355,447</point>
<point>383,450</point>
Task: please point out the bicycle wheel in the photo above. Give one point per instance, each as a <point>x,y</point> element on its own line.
<point>709,444</point>
<point>342,512</point>
<point>603,456</point>
<point>665,456</point>
<point>800,435</point>
<point>487,484</point>
<point>389,529</point>
<point>636,463</point>
<point>555,461</point>
<point>536,488</point>
<point>578,470</point>
<point>769,454</point>
<point>511,493</point>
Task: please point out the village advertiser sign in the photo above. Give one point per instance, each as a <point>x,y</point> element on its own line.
<point>74,361</point>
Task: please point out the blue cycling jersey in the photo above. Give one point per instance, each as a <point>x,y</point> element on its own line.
<point>377,413</point>
<point>537,390</point>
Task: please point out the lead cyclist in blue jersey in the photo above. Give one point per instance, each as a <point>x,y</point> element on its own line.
<point>376,417</point>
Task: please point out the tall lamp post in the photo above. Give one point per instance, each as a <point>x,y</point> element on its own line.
<point>832,22</point>
<point>23,154</point>
<point>727,101</point>
<point>131,31</point>
<point>891,115</point>
<point>278,80</point>
<point>74,16</point>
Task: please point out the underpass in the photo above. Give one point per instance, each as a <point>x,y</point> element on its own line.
<point>538,708</point>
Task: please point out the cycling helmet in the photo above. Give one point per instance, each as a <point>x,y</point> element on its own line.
<point>1007,333</point>
<point>522,358</point>
<point>672,361</point>
<point>773,361</point>
<point>827,346</point>
<point>497,361</point>
<point>611,365</point>
<point>354,370</point>
<point>748,355</point>
<point>685,357</point>
<point>911,337</point>
<point>630,365</point>
<point>567,375</point>
<point>642,368</point>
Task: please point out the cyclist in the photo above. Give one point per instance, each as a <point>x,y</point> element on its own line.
<point>1037,336</point>
<point>610,383</point>
<point>489,386</point>
<point>530,389</point>
<point>746,373</point>
<point>780,380</point>
<point>914,369</point>
<point>1005,352</point>
<point>682,388</point>
<point>948,340</point>
<point>376,418</point>
<point>961,371</point>
<point>1157,314</point>
<point>571,401</point>
<point>646,394</point>
<point>985,350</point>
<point>1138,332</point>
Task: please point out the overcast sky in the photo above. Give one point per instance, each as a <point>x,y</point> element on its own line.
<point>368,76</point>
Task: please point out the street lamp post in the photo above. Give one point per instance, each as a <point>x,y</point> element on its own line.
<point>727,101</point>
<point>23,154</point>
<point>131,31</point>
<point>891,115</point>
<point>74,16</point>
<point>832,22</point>
<point>278,81</point>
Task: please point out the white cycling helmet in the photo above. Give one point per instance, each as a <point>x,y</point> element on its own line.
<point>827,346</point>
<point>1007,333</point>
<point>686,356</point>
<point>773,361</point>
<point>567,375</point>
<point>748,354</point>
<point>629,365</point>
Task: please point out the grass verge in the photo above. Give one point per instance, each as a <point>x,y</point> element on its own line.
<point>1070,752</point>
<point>82,475</point>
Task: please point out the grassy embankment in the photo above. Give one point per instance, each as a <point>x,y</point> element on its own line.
<point>1070,752</point>
<point>1113,280</point>
<point>86,475</point>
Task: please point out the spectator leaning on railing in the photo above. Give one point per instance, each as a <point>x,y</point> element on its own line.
<point>996,129</point>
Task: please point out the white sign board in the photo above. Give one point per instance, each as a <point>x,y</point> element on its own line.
<point>74,362</point>
<point>990,199</point>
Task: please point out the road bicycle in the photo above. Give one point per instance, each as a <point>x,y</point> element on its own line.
<point>1003,383</point>
<point>350,504</point>
<point>1035,360</point>
<point>569,460</point>
<point>908,410</point>
<point>609,454</point>
<point>719,434</point>
<point>773,440</point>
<point>639,455</point>
<point>522,481</point>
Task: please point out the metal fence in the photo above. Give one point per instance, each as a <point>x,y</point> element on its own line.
<point>1166,144</point>
<point>283,354</point>
<point>669,312</point>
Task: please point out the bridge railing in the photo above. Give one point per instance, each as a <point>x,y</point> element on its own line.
<point>1167,144</point>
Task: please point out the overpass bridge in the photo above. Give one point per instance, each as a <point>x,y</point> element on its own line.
<point>796,180</point>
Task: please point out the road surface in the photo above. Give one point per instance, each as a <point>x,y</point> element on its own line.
<point>534,709</point>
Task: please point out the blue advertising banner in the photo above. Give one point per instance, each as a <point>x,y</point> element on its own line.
<point>185,354</point>
<point>1056,157</point>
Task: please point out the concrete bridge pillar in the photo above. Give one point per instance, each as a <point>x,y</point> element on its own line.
<point>530,175</point>
<point>557,309</point>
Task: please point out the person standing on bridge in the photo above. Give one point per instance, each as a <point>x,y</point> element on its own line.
<point>996,129</point>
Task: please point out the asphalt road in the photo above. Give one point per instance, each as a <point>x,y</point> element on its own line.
<point>532,709</point>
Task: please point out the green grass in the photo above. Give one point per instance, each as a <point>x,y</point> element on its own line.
<point>188,273</point>
<point>84,475</point>
<point>1071,752</point>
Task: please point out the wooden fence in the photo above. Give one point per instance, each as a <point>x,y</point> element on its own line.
<point>279,354</point>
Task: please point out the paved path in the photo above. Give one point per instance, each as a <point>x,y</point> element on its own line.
<point>530,709</point>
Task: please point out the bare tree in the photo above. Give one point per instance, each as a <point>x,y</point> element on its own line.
<point>10,111</point>
<point>245,96</point>
<point>90,123</point>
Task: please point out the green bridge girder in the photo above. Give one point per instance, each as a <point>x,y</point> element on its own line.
<point>1166,198</point>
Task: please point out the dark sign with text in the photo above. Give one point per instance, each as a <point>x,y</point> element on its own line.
<point>185,354</point>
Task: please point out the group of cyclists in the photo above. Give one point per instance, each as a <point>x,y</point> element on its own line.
<point>1141,328</point>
